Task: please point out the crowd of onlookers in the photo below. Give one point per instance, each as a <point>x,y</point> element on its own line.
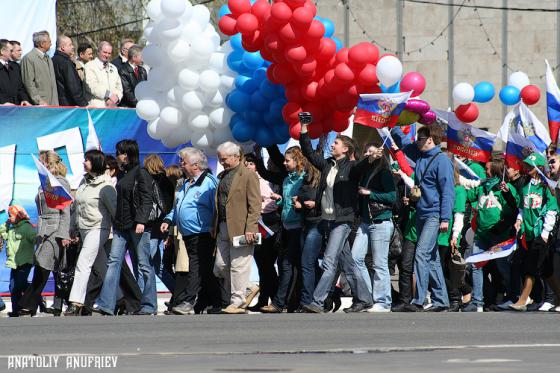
<point>317,227</point>
<point>82,77</point>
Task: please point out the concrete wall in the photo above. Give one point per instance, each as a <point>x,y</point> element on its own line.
<point>531,38</point>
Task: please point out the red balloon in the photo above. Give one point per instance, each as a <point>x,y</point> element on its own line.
<point>288,34</point>
<point>315,109</point>
<point>284,74</point>
<point>252,42</point>
<point>371,89</point>
<point>353,91</point>
<point>413,81</point>
<point>315,130</point>
<point>247,23</point>
<point>316,30</point>
<point>261,9</point>
<point>270,73</point>
<point>293,92</point>
<point>368,76</point>
<point>530,94</point>
<point>265,53</point>
<point>344,73</point>
<point>302,18</point>
<point>309,92</point>
<point>327,49</point>
<point>281,12</point>
<point>296,54</point>
<point>294,4</point>
<point>309,5</point>
<point>290,111</point>
<point>327,125</point>
<point>238,7</point>
<point>307,66</point>
<point>228,25</point>
<point>273,43</point>
<point>295,131</point>
<point>363,53</point>
<point>346,101</point>
<point>340,121</point>
<point>342,55</point>
<point>467,113</point>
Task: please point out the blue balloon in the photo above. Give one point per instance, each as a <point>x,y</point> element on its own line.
<point>235,42</point>
<point>234,60</point>
<point>260,74</point>
<point>254,117</point>
<point>267,89</point>
<point>223,11</point>
<point>234,119</point>
<point>243,131</point>
<point>483,92</point>
<point>245,84</point>
<point>510,95</point>
<point>269,118</point>
<point>277,105</point>
<point>264,136</point>
<point>281,132</point>
<point>252,61</point>
<point>329,27</point>
<point>338,42</point>
<point>258,102</point>
<point>238,101</point>
<point>395,88</point>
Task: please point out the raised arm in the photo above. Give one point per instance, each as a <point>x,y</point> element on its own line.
<point>316,160</point>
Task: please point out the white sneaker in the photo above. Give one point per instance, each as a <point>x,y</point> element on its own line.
<point>546,306</point>
<point>479,309</point>
<point>378,307</point>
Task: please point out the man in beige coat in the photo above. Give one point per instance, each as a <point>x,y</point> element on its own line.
<point>103,79</point>
<point>238,208</point>
<point>38,73</point>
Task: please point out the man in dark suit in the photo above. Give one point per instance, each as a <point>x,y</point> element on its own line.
<point>12,90</point>
<point>123,57</point>
<point>70,87</point>
<point>131,74</point>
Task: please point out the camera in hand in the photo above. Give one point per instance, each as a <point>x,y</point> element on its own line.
<point>305,117</point>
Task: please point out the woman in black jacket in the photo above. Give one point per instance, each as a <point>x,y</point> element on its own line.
<point>134,203</point>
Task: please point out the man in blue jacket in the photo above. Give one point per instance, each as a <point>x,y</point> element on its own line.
<point>435,176</point>
<point>193,212</point>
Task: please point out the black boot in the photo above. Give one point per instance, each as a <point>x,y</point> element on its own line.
<point>73,310</point>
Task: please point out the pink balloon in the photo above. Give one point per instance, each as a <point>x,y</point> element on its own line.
<point>413,81</point>
<point>427,118</point>
<point>417,106</point>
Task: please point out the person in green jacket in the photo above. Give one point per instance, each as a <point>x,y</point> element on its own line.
<point>19,235</point>
<point>535,222</point>
<point>495,205</point>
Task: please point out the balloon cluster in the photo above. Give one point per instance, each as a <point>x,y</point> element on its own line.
<point>316,77</point>
<point>416,110</point>
<point>183,100</point>
<point>519,88</point>
<point>465,95</point>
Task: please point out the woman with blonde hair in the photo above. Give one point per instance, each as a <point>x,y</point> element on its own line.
<point>53,236</point>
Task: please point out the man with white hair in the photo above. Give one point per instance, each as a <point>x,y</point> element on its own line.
<point>193,213</point>
<point>102,78</point>
<point>37,71</point>
<point>237,213</point>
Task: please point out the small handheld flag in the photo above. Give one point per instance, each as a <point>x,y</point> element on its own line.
<point>56,196</point>
<point>380,110</point>
<point>500,250</point>
<point>92,141</point>
<point>264,230</point>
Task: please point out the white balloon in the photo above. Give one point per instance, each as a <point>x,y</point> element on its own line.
<point>178,51</point>
<point>198,121</point>
<point>226,48</point>
<point>153,9</point>
<point>161,78</point>
<point>218,62</point>
<point>174,96</point>
<point>188,79</point>
<point>202,49</point>
<point>148,29</point>
<point>191,101</point>
<point>519,80</point>
<point>219,118</point>
<point>191,31</point>
<point>209,81</point>
<point>215,99</point>
<point>144,91</point>
<point>202,139</point>
<point>201,14</point>
<point>187,14</point>
<point>221,136</point>
<point>168,30</point>
<point>173,8</point>
<point>171,116</point>
<point>389,70</point>
<point>183,133</point>
<point>147,109</point>
<point>171,141</point>
<point>227,82</point>
<point>151,54</point>
<point>152,129</point>
<point>210,33</point>
<point>463,93</point>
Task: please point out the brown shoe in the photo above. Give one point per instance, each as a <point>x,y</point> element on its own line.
<point>234,310</point>
<point>271,308</point>
<point>251,294</point>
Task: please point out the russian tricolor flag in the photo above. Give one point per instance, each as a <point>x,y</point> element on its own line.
<point>468,141</point>
<point>501,250</point>
<point>264,230</point>
<point>517,149</point>
<point>56,196</point>
<point>552,104</point>
<point>380,110</point>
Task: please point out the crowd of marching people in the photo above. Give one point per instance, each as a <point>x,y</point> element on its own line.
<point>317,226</point>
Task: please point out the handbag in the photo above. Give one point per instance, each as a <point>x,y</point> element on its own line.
<point>375,208</point>
<point>395,247</point>
<point>416,192</point>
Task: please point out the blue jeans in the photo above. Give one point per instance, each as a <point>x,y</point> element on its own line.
<point>338,241</point>
<point>477,278</point>
<point>427,265</point>
<point>137,244</point>
<point>18,284</point>
<point>313,240</point>
<point>156,250</point>
<point>376,237</point>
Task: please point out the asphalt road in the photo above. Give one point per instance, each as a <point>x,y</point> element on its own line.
<point>489,342</point>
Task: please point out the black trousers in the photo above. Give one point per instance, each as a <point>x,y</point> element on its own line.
<point>265,256</point>
<point>198,286</point>
<point>32,295</point>
<point>129,289</point>
<point>406,267</point>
